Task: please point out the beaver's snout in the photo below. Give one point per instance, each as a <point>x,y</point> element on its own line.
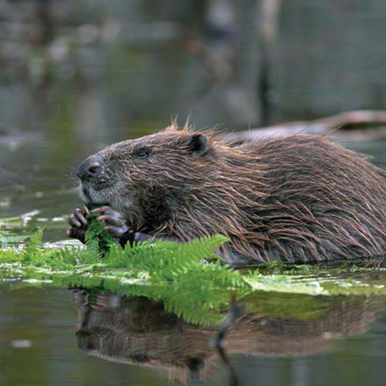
<point>97,181</point>
<point>89,169</point>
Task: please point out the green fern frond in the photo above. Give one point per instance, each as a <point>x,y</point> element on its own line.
<point>34,246</point>
<point>178,275</point>
<point>35,242</point>
<point>97,238</point>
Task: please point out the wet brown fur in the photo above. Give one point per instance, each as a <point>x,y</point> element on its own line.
<point>296,198</point>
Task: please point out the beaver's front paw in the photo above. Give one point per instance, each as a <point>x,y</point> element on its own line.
<point>116,224</point>
<point>78,223</point>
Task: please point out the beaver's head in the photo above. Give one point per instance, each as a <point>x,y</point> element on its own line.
<point>149,178</point>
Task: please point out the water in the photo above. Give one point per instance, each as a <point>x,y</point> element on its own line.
<point>58,337</point>
<point>78,75</point>
<point>61,336</point>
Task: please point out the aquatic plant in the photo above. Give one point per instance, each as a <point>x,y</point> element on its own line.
<point>177,274</point>
<point>173,272</point>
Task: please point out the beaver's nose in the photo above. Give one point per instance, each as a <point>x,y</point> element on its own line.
<point>88,169</point>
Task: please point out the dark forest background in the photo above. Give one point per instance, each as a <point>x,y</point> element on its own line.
<point>99,68</point>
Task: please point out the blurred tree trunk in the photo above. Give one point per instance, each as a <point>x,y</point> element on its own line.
<point>268,21</point>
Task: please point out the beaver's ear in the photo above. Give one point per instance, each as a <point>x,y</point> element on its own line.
<point>198,144</point>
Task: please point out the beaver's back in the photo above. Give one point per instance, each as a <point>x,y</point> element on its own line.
<point>325,202</point>
<point>294,198</point>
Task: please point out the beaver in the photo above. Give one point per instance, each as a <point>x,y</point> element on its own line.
<point>295,198</point>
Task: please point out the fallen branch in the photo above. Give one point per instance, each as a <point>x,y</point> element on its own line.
<point>336,126</point>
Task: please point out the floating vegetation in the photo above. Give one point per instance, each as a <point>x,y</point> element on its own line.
<point>173,272</point>
<point>8,238</point>
<point>178,274</point>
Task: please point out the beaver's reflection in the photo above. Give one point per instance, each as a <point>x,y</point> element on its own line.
<point>137,330</point>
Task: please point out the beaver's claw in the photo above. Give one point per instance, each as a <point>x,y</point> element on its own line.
<point>78,223</point>
<point>116,224</point>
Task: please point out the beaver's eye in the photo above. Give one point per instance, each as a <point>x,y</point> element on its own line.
<point>141,153</point>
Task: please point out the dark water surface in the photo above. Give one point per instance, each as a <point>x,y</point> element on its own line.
<point>60,336</point>
<point>53,336</point>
